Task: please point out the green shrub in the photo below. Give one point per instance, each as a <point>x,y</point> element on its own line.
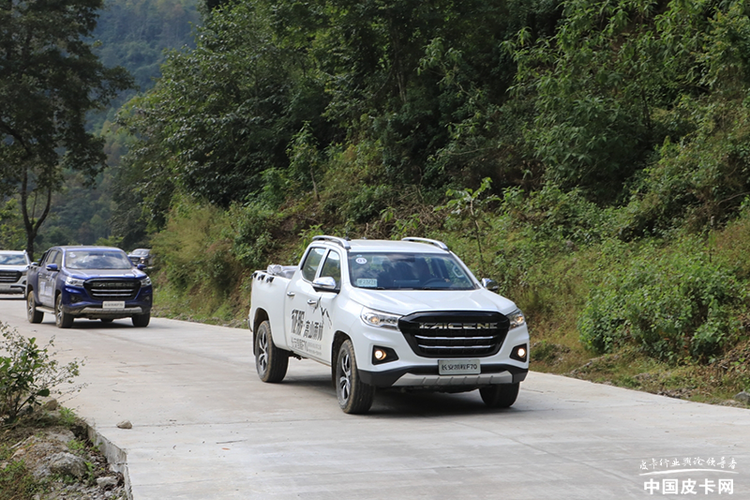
<point>28,372</point>
<point>250,232</point>
<point>678,304</point>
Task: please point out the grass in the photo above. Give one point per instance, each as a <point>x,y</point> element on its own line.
<point>16,479</point>
<point>549,270</point>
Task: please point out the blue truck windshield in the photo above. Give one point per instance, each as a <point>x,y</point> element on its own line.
<point>97,259</point>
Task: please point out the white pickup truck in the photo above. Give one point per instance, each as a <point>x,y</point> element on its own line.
<point>404,314</point>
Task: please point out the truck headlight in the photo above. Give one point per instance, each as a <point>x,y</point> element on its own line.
<point>516,319</point>
<point>74,282</point>
<point>379,319</point>
<point>146,281</point>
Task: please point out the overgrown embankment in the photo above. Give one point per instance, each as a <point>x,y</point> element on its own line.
<point>590,155</point>
<point>663,314</point>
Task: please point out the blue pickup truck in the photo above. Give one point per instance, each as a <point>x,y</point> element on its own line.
<point>87,282</point>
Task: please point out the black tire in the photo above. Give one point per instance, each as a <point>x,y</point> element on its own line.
<point>500,396</point>
<point>141,320</point>
<point>355,397</point>
<point>270,361</point>
<point>62,319</point>
<point>32,314</point>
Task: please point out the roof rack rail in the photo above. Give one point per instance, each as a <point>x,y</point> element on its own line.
<point>335,239</point>
<point>437,243</point>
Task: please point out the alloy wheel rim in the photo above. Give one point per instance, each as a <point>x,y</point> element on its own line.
<point>345,379</point>
<point>58,312</point>
<point>263,352</point>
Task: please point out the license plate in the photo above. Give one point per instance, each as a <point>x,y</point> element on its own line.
<point>113,305</point>
<point>459,367</point>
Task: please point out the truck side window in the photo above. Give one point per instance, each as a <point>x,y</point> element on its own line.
<point>49,258</point>
<point>312,261</point>
<point>58,260</point>
<point>332,267</point>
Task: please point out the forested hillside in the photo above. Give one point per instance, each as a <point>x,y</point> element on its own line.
<point>135,35</point>
<point>592,156</point>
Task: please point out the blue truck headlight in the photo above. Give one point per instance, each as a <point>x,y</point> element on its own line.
<point>146,281</point>
<point>71,281</point>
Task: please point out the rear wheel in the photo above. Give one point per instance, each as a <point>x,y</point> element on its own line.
<point>32,314</point>
<point>354,395</point>
<point>270,361</point>
<point>499,396</point>
<point>62,319</point>
<point>141,320</point>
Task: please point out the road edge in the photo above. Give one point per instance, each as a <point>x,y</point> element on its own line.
<point>117,458</point>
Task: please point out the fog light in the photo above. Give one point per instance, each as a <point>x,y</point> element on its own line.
<point>520,352</point>
<point>383,355</point>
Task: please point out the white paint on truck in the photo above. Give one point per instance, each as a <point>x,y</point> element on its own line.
<point>382,313</point>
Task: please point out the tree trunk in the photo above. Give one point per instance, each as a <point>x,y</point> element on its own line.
<point>32,225</point>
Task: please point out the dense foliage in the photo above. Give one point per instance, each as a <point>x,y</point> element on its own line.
<point>591,155</point>
<point>584,153</point>
<point>49,81</point>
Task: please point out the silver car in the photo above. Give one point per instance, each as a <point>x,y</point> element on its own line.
<point>13,267</point>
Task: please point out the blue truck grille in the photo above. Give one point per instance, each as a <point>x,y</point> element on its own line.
<point>112,289</point>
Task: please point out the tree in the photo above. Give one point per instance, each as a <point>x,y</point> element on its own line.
<point>621,77</point>
<point>49,81</point>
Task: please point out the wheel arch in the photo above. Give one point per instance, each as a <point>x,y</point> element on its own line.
<point>260,316</point>
<point>338,338</point>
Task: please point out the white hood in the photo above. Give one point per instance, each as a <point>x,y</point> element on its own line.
<point>405,302</point>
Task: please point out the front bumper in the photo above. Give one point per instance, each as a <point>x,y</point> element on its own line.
<point>99,313</point>
<point>14,288</point>
<point>428,377</point>
<point>79,304</point>
<point>411,370</point>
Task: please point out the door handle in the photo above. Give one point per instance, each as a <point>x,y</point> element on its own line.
<point>312,302</point>
<point>290,294</point>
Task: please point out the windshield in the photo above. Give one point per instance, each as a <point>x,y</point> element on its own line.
<point>97,259</point>
<point>12,260</point>
<point>408,271</point>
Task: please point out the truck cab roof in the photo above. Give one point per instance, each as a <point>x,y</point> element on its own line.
<point>408,245</point>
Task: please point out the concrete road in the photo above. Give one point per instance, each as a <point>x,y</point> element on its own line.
<point>205,427</point>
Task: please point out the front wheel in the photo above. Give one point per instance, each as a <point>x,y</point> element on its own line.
<point>499,396</point>
<point>32,314</point>
<point>270,361</point>
<point>354,395</point>
<point>62,319</point>
<point>141,320</point>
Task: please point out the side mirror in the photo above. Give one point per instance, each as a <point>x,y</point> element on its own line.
<point>52,267</point>
<point>490,284</point>
<point>325,284</point>
<point>141,267</point>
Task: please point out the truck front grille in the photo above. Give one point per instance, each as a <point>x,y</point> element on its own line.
<point>9,276</point>
<point>455,334</point>
<point>112,289</point>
